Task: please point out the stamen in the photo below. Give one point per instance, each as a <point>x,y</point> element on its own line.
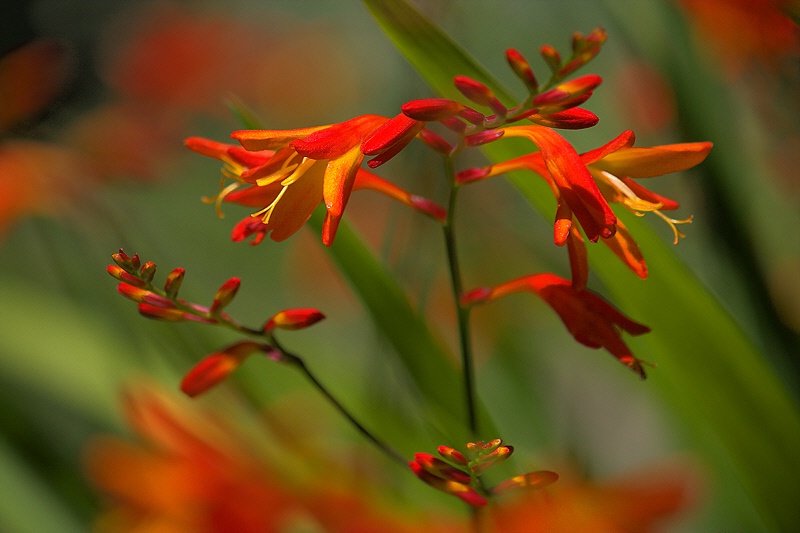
<point>217,200</point>
<point>672,224</point>
<point>297,172</point>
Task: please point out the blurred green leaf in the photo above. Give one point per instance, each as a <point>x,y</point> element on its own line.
<point>28,505</point>
<point>708,369</point>
<point>423,354</point>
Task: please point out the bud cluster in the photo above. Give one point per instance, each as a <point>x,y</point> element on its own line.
<point>458,473</point>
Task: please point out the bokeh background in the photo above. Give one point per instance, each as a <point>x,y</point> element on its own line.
<point>96,98</point>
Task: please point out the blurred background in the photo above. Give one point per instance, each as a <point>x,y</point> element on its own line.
<point>96,98</point>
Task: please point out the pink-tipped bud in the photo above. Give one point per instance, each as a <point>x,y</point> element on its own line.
<point>148,271</point>
<point>522,69</point>
<point>460,490</point>
<point>570,119</point>
<point>225,295</point>
<point>129,264</point>
<point>551,57</point>
<point>489,460</point>
<point>431,109</point>
<point>140,295</point>
<point>441,469</point>
<point>435,141</point>
<point>293,319</point>
<point>483,137</point>
<point>451,454</point>
<point>173,282</point>
<point>167,314</point>
<point>472,116</point>
<point>429,207</point>
<point>122,275</point>
<point>472,174</point>
<point>479,93</point>
<point>553,96</point>
<point>218,366</point>
<point>457,125</point>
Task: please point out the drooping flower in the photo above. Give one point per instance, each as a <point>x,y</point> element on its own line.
<point>287,173</point>
<point>590,319</point>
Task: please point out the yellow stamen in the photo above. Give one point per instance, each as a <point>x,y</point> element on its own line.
<point>297,172</point>
<point>637,205</point>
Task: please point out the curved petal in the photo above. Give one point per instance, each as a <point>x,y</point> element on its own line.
<point>655,161</point>
<point>271,139</point>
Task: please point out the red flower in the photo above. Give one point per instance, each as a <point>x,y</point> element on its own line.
<point>591,320</point>
<point>288,173</point>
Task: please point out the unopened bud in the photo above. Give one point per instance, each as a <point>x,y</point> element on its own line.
<point>129,264</point>
<point>140,295</point>
<point>451,454</point>
<point>225,295</point>
<point>431,109</point>
<point>551,57</point>
<point>173,283</point>
<point>483,137</point>
<point>148,271</point>
<point>121,274</point>
<point>479,93</point>
<point>293,319</point>
<point>522,69</point>
<point>218,366</point>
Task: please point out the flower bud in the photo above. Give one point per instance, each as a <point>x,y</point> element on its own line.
<point>483,137</point>
<point>123,275</point>
<point>129,264</point>
<point>451,454</point>
<point>293,319</point>
<point>479,93</point>
<point>431,109</point>
<point>522,69</point>
<point>140,295</point>
<point>551,57</point>
<point>148,271</point>
<point>218,366</point>
<point>173,283</point>
<point>225,295</point>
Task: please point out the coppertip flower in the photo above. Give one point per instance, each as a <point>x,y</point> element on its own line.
<point>292,319</point>
<point>214,368</point>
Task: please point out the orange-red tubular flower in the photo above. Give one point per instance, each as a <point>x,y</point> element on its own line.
<point>577,192</point>
<point>216,367</point>
<point>591,320</point>
<point>613,167</point>
<point>287,173</point>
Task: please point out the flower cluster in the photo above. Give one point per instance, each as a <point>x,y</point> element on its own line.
<point>283,176</point>
<point>459,473</point>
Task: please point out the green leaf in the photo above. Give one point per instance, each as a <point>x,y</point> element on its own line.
<point>423,354</point>
<point>708,369</point>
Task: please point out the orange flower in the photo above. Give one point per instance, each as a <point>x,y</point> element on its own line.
<point>643,501</point>
<point>743,31</point>
<point>591,320</point>
<point>585,184</point>
<point>189,471</point>
<point>289,172</point>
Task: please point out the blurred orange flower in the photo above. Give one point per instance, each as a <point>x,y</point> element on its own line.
<point>745,31</point>
<point>191,472</point>
<point>641,502</point>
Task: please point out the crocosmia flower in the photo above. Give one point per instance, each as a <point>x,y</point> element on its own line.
<point>287,173</point>
<point>590,319</point>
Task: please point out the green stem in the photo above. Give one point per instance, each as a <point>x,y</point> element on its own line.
<point>300,364</point>
<point>462,312</point>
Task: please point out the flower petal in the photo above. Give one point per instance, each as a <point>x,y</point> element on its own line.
<point>655,161</point>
